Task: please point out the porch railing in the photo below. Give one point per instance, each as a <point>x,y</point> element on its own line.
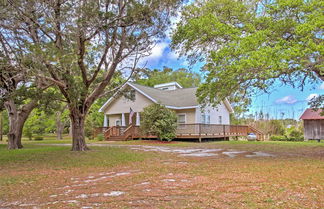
<point>211,129</point>
<point>195,130</point>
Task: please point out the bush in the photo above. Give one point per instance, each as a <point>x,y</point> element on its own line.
<point>160,121</point>
<point>294,134</point>
<point>278,138</point>
<point>38,138</point>
<point>100,137</point>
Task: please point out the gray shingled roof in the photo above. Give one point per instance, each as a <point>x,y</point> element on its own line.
<point>178,98</point>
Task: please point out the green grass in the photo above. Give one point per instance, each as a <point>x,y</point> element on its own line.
<point>59,157</point>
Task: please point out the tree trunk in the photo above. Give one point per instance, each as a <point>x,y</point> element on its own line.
<point>16,124</point>
<point>78,137</point>
<point>15,133</point>
<point>70,129</point>
<point>59,130</point>
<point>17,120</point>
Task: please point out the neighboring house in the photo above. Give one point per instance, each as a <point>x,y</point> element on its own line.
<point>182,100</point>
<point>193,121</point>
<point>313,124</point>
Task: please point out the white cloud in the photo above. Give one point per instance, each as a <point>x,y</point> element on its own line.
<point>311,96</point>
<point>157,50</point>
<point>286,100</point>
<point>155,54</point>
<point>322,86</point>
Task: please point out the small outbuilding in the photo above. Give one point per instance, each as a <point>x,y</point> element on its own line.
<point>313,124</point>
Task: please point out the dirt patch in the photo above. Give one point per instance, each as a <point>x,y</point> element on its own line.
<point>201,152</point>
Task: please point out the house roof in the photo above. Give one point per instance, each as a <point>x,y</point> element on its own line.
<point>183,98</point>
<point>310,114</point>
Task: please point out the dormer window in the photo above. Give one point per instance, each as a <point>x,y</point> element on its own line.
<point>168,86</point>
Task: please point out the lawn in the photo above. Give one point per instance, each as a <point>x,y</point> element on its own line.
<point>133,175</point>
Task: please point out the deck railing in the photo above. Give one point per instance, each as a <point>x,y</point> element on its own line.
<point>195,130</point>
<point>211,130</point>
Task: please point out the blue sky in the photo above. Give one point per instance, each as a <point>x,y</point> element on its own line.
<point>282,102</point>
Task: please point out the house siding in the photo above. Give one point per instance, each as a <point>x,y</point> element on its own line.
<point>314,129</point>
<point>122,105</point>
<point>190,115</point>
<point>220,110</point>
<point>113,118</point>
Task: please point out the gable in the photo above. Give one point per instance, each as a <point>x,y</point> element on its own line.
<point>175,99</point>
<point>122,104</point>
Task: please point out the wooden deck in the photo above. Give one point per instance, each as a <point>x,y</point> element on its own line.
<point>184,131</point>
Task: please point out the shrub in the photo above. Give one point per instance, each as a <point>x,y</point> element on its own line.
<point>38,138</point>
<point>278,138</point>
<point>100,137</point>
<point>160,121</point>
<point>294,134</point>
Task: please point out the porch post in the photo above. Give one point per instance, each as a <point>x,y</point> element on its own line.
<point>105,124</point>
<point>123,120</point>
<point>138,119</point>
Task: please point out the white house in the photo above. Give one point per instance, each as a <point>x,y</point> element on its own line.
<point>182,100</point>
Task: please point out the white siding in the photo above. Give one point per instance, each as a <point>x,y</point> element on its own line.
<point>122,105</point>
<point>214,113</point>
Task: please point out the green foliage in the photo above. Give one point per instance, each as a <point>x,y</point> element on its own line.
<point>100,137</point>
<point>277,127</point>
<point>317,103</point>
<point>278,138</point>
<point>39,123</point>
<point>160,121</point>
<point>5,122</point>
<point>38,138</point>
<point>89,45</point>
<point>294,134</point>
<point>248,45</point>
<point>184,77</point>
<point>94,118</point>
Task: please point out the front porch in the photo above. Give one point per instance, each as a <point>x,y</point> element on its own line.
<point>184,131</point>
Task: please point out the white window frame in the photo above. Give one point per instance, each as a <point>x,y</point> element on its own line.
<point>182,125</point>
<point>205,118</point>
<point>118,120</point>
<point>185,118</point>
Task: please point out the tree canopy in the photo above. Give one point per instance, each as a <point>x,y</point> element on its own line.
<point>79,46</point>
<point>186,78</point>
<point>248,45</point>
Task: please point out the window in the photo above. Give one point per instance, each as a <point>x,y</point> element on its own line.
<point>205,119</point>
<point>181,121</point>
<point>181,118</point>
<point>118,122</point>
<point>220,119</point>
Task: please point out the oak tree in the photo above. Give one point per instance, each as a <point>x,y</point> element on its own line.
<point>79,45</point>
<point>249,45</point>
